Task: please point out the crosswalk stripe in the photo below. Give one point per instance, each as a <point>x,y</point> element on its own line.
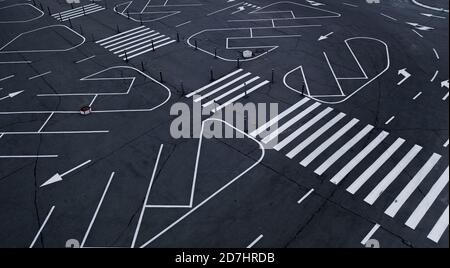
<point>440,227</point>
<point>75,10</point>
<point>214,83</point>
<point>291,122</point>
<point>368,173</point>
<point>147,39</point>
<point>231,91</point>
<point>302,129</point>
<point>146,33</point>
<point>384,184</point>
<point>156,47</point>
<point>343,150</point>
<point>117,35</point>
<point>278,117</point>
<point>319,150</point>
<point>240,96</point>
<point>126,36</point>
<point>80,13</point>
<point>149,44</point>
<point>358,158</point>
<point>428,201</point>
<point>222,87</point>
<point>315,136</point>
<point>400,200</point>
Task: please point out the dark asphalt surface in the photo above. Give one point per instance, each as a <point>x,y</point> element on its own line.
<point>234,192</point>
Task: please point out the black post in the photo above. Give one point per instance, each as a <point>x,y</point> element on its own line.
<point>140,19</point>
<point>211,74</point>
<point>153,46</point>
<point>215,53</point>
<point>34,3</point>
<point>49,12</point>
<point>81,30</point>
<point>106,4</point>
<point>245,88</point>
<point>196,45</point>
<point>182,88</point>
<point>142,66</point>
<point>178,37</point>
<point>303,89</point>
<point>161,77</point>
<point>42,8</point>
<point>84,11</point>
<point>71,5</point>
<point>60,17</point>
<point>117,27</point>
<point>273,76</point>
<point>128,14</point>
<point>238,63</point>
<point>126,57</point>
<point>70,22</point>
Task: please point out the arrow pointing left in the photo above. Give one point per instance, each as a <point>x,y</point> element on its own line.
<point>11,95</point>
<point>57,177</point>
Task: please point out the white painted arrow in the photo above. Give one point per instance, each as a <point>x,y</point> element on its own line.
<point>240,9</point>
<point>444,83</point>
<point>323,37</point>
<point>432,16</point>
<point>57,177</point>
<point>405,74</point>
<point>11,95</point>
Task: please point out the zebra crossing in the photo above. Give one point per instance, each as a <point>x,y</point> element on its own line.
<point>325,139</point>
<point>78,12</point>
<point>227,90</point>
<point>135,42</point>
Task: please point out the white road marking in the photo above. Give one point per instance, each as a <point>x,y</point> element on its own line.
<point>28,156</point>
<point>445,97</point>
<point>428,201</point>
<point>182,24</point>
<point>405,194</point>
<point>343,150</point>
<point>434,76</point>
<point>368,173</point>
<point>252,244</point>
<point>350,5</point>
<point>223,9</point>
<point>110,39</point>
<point>418,95</point>
<point>46,121</point>
<point>240,96</point>
<point>315,135</point>
<point>436,53</point>
<point>390,120</point>
<point>229,92</point>
<point>42,227</point>
<point>440,227</point>
<point>392,176</point>
<point>214,83</point>
<point>85,59</point>
<point>39,75</point>
<point>358,158</point>
<point>97,210</point>
<point>222,87</point>
<point>370,234</point>
<point>328,143</point>
<point>7,77</point>
<point>389,17</point>
<point>416,32</point>
<point>138,227</point>
<point>305,196</point>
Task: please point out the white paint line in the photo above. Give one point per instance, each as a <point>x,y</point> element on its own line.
<point>278,117</point>
<point>428,201</point>
<point>389,120</point>
<point>144,205</point>
<point>182,24</point>
<point>370,234</point>
<point>214,83</point>
<point>124,38</point>
<point>93,100</point>
<point>153,48</point>
<point>445,97</point>
<point>392,176</point>
<point>416,32</point>
<point>418,95</point>
<point>42,227</point>
<point>222,87</point>
<point>85,59</point>
<point>96,211</point>
<point>358,158</point>
<point>350,5</point>
<point>16,62</point>
<point>103,41</point>
<point>406,193</point>
<point>135,43</point>
<point>440,227</point>
<point>6,78</point>
<point>252,244</point>
<point>368,173</point>
<point>39,75</point>
<point>290,123</point>
<point>436,53</point>
<point>389,17</point>
<point>343,150</point>
<point>299,148</point>
<point>46,121</point>
<point>223,9</point>
<point>133,36</point>
<point>75,168</point>
<point>229,92</point>
<point>240,96</point>
<point>305,196</point>
<point>434,76</point>
<point>27,156</point>
<point>446,144</point>
<point>311,157</point>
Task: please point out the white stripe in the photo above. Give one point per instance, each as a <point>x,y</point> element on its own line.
<point>156,47</point>
<point>305,196</point>
<point>74,10</point>
<point>328,143</point>
<point>117,35</point>
<point>80,13</point>
<point>6,78</point>
<point>255,241</point>
<point>214,83</point>
<point>241,95</point>
<point>315,136</point>
<point>231,91</point>
<point>406,193</point>
<point>146,33</point>
<point>39,75</point>
<point>427,201</point>
<point>344,149</point>
<point>42,227</point>
<point>384,184</point>
<point>291,122</point>
<point>278,117</point>
<point>370,234</point>
<point>302,129</point>
<point>117,40</point>
<point>134,43</point>
<point>358,158</point>
<point>222,87</point>
<point>141,43</point>
<point>358,183</point>
<point>149,44</point>
<point>440,227</point>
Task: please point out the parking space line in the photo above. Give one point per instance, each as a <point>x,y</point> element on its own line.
<point>45,123</point>
<point>392,176</point>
